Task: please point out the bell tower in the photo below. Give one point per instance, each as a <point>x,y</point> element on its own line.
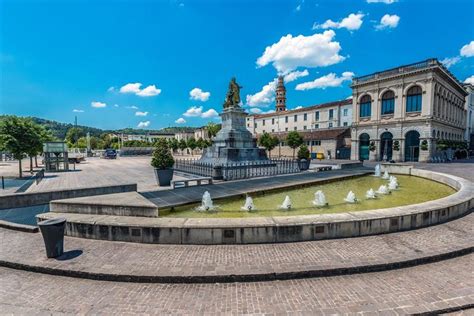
<point>280,95</point>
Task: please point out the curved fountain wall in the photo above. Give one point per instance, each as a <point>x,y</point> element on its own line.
<point>279,229</point>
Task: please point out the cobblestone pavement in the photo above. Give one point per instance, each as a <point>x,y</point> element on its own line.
<point>252,259</point>
<point>418,289</point>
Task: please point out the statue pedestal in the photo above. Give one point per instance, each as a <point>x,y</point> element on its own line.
<point>233,143</point>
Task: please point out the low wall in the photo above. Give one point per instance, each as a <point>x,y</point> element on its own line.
<point>38,198</point>
<point>278,229</point>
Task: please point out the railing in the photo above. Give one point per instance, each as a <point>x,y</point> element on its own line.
<point>238,170</point>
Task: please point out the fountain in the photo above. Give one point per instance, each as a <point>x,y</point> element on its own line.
<point>377,171</point>
<point>386,176</point>
<point>393,184</point>
<point>350,198</point>
<point>206,204</point>
<point>248,206</point>
<point>319,199</point>
<point>286,203</point>
<point>370,194</point>
<point>383,189</point>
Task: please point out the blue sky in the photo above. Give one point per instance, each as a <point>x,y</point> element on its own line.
<point>61,56</point>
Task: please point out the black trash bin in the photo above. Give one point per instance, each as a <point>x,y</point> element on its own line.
<point>53,236</point>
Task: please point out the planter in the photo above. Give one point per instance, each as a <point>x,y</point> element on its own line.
<point>164,176</point>
<point>304,164</point>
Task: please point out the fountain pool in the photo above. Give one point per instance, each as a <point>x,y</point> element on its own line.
<point>412,190</point>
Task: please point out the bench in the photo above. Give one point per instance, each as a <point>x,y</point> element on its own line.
<point>324,168</point>
<point>185,182</point>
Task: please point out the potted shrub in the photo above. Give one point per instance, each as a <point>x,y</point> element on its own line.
<point>304,157</point>
<point>372,146</point>
<point>424,145</point>
<point>396,145</point>
<point>162,160</point>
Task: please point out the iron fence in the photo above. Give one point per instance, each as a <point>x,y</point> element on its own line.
<point>238,170</point>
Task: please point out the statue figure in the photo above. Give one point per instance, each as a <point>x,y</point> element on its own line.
<point>232,98</point>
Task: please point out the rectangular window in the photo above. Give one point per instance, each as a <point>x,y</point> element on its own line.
<point>304,127</point>
<point>294,128</point>
<point>316,125</point>
<point>286,119</point>
<point>263,131</point>
<point>273,121</point>
<point>316,143</point>
<point>330,125</point>
<point>307,143</point>
<point>331,114</point>
<point>365,109</point>
<point>413,103</point>
<point>296,118</point>
<point>317,115</point>
<point>273,130</point>
<point>345,124</point>
<point>286,129</point>
<point>388,106</point>
<point>344,112</point>
<point>263,122</point>
<point>305,117</point>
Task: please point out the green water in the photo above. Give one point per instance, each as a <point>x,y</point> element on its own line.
<point>412,190</point>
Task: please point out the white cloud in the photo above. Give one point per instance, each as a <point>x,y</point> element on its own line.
<point>143,124</point>
<point>468,50</point>
<point>255,111</point>
<point>382,1</point>
<point>352,22</point>
<point>450,61</point>
<point>149,91</point>
<point>180,121</point>
<point>111,89</point>
<point>289,53</point>
<point>138,113</point>
<point>329,80</point>
<point>267,95</point>
<point>97,104</point>
<point>193,111</point>
<point>470,80</point>
<point>388,21</point>
<point>198,94</point>
<point>134,88</point>
<point>298,8</point>
<point>298,107</point>
<point>133,107</point>
<point>116,105</point>
<point>292,76</point>
<point>210,113</point>
<point>78,111</point>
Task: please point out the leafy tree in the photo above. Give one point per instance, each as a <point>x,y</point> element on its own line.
<point>201,144</point>
<point>213,129</point>
<point>182,145</point>
<point>192,144</point>
<point>303,152</point>
<point>268,141</point>
<point>174,144</point>
<point>73,134</point>
<point>81,143</point>
<point>17,135</point>
<point>294,140</point>
<point>162,157</point>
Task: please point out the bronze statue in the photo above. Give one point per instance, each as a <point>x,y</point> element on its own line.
<point>232,98</point>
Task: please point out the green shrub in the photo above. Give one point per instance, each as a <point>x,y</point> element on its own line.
<point>303,152</point>
<point>372,146</point>
<point>424,144</point>
<point>396,145</point>
<point>162,157</point>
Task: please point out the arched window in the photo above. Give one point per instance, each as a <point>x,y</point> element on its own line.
<point>414,99</point>
<point>365,106</point>
<point>388,102</point>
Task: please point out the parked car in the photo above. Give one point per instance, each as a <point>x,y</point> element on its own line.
<point>110,154</point>
<point>75,155</point>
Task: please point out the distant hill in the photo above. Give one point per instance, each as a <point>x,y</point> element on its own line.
<point>59,130</point>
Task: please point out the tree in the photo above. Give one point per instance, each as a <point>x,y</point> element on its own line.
<point>201,144</point>
<point>182,145</point>
<point>303,152</point>
<point>73,134</point>
<point>268,141</point>
<point>37,135</point>
<point>17,136</point>
<point>174,144</point>
<point>213,129</point>
<point>192,144</point>
<point>294,140</point>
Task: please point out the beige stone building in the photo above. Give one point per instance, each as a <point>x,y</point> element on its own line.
<point>324,127</point>
<point>398,114</point>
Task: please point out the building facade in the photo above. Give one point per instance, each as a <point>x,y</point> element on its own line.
<point>399,114</point>
<point>469,133</point>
